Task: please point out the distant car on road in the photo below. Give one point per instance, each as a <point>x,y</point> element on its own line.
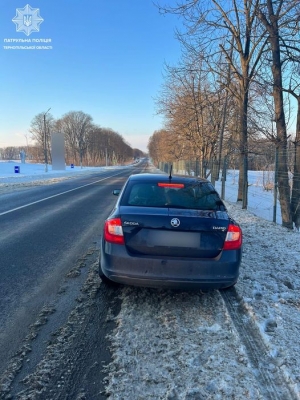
<point>170,232</point>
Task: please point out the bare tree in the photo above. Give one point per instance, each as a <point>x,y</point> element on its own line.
<point>85,142</point>
<point>106,146</point>
<point>280,18</point>
<point>76,125</point>
<point>191,105</point>
<point>160,146</point>
<point>40,129</point>
<point>229,27</point>
<point>137,153</point>
<point>295,197</point>
<point>295,200</point>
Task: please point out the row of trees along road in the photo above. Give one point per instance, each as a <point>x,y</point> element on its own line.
<point>85,142</point>
<point>233,86</point>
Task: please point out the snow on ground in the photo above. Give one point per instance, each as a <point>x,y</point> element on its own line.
<point>35,174</point>
<point>170,345</point>
<point>260,201</point>
<point>184,345</point>
<point>177,346</point>
<point>270,287</point>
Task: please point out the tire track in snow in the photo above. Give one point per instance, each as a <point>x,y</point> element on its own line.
<point>174,345</point>
<point>269,377</point>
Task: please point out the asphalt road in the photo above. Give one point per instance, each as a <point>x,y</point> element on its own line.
<point>46,233</point>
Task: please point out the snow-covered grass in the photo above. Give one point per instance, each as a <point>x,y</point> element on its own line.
<point>35,174</point>
<point>260,201</point>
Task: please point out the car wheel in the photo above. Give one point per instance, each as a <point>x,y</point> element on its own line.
<point>229,287</point>
<point>105,279</point>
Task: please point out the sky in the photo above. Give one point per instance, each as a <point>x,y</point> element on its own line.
<point>105,58</point>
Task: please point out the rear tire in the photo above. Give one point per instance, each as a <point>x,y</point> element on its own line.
<point>104,278</point>
<point>229,287</point>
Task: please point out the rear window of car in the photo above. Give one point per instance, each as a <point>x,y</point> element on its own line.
<point>199,196</point>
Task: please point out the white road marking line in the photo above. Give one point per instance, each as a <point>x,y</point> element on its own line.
<point>59,194</point>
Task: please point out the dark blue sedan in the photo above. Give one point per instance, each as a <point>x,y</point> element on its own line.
<point>170,231</point>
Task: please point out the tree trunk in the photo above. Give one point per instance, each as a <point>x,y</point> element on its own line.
<point>295,201</point>
<point>243,174</point>
<point>283,179</point>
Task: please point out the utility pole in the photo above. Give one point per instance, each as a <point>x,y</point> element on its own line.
<point>45,142</point>
<point>224,171</point>
<point>275,186</point>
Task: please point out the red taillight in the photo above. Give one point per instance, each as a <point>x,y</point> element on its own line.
<point>113,232</point>
<point>233,239</point>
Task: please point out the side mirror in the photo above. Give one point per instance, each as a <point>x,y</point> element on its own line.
<point>116,192</point>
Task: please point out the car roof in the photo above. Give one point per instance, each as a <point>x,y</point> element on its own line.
<point>147,177</point>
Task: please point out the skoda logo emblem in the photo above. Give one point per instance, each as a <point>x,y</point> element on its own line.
<point>175,222</point>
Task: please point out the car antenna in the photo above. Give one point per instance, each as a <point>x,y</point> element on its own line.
<point>170,176</point>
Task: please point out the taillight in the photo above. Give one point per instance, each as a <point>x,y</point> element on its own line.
<point>113,232</point>
<point>233,239</point>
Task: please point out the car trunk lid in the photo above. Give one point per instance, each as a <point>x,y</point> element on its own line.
<point>174,232</point>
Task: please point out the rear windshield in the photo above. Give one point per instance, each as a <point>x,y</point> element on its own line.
<point>198,196</point>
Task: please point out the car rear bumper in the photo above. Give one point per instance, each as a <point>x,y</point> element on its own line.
<point>182,273</point>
